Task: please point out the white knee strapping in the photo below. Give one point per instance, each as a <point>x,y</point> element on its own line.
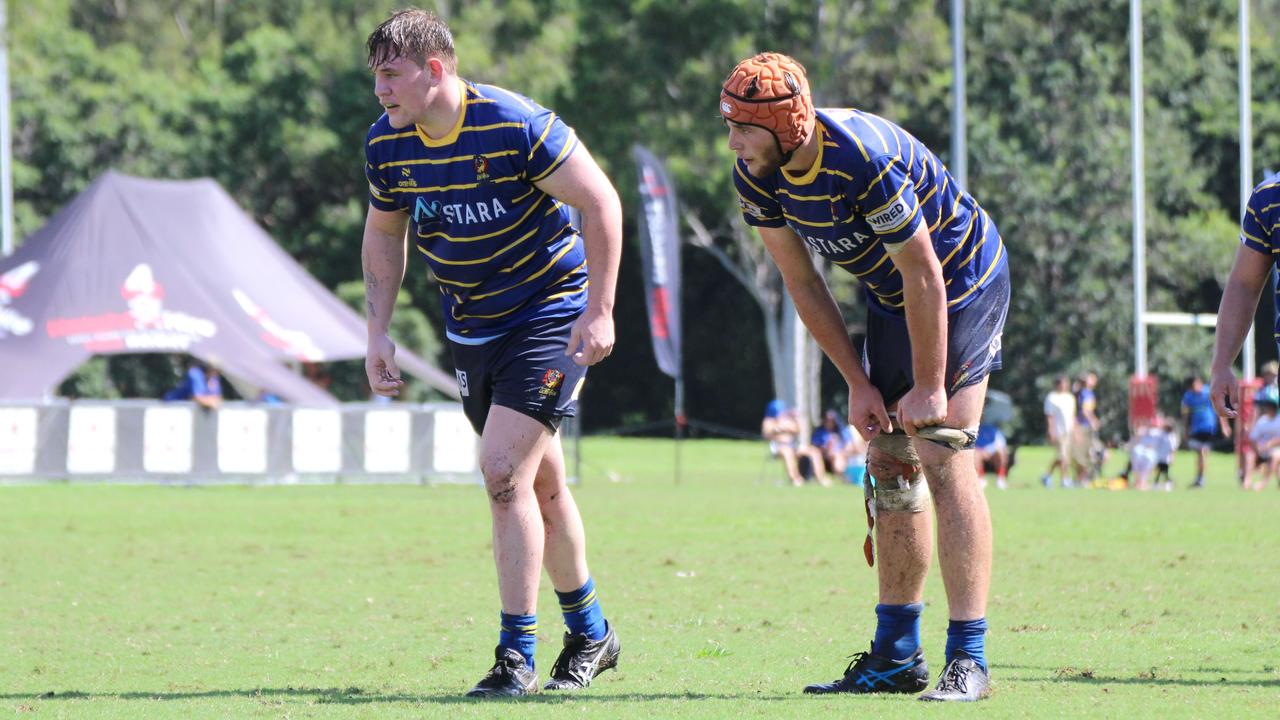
<point>900,485</point>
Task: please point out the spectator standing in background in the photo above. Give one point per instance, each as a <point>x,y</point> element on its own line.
<point>1059,417</point>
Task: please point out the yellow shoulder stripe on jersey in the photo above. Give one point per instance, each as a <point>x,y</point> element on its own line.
<point>1269,207</point>
<point>890,202</point>
<point>1260,241</point>
<point>565,152</point>
<point>879,177</point>
<point>377,193</point>
<point>551,122</point>
<point>395,136</point>
<point>442,161</point>
<point>523,103</point>
<point>837,173</point>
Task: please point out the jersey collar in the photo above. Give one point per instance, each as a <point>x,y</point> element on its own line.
<point>452,136</point>
<point>820,136</point>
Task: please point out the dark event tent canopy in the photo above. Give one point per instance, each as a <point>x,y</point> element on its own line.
<point>134,265</point>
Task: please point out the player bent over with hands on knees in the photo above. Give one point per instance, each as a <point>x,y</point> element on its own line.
<point>481,178</point>
<point>865,194</point>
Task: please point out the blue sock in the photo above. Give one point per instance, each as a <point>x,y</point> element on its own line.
<point>897,630</point>
<point>582,612</point>
<point>969,636</point>
<point>520,633</point>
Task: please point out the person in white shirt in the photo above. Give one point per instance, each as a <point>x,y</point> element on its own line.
<point>1060,418</point>
<point>1265,437</point>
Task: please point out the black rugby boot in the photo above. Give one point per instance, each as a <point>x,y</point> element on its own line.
<point>872,673</point>
<point>510,676</point>
<point>583,659</point>
<point>963,680</point>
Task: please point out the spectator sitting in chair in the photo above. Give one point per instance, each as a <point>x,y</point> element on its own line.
<point>832,438</point>
<point>991,449</point>
<point>781,427</point>
<point>200,383</point>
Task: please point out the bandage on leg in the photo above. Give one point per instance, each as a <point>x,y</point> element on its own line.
<point>899,484</point>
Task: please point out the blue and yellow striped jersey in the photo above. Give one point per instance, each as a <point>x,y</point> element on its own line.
<point>874,184</point>
<point>503,252</point>
<point>1260,227</point>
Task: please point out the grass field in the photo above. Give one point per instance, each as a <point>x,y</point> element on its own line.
<point>729,591</point>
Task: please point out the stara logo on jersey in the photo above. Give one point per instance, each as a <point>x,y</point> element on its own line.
<point>482,169</point>
<point>426,213</point>
<point>552,379</point>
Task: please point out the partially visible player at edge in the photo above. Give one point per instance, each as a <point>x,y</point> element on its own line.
<point>1258,252</point>
<point>869,197</point>
<point>481,177</point>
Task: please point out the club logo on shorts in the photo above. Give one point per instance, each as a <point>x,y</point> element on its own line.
<point>463,390</point>
<point>551,381</point>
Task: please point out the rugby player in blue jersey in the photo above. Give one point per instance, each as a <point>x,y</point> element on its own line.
<point>481,179</point>
<point>868,197</point>
<point>1259,247</point>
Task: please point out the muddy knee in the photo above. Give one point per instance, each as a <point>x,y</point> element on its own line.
<point>499,480</point>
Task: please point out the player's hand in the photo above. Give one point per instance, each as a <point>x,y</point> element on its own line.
<point>867,414</point>
<point>591,339</point>
<point>1224,393</point>
<point>922,407</point>
<point>380,366</point>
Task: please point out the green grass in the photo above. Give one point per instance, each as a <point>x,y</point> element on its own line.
<point>729,591</point>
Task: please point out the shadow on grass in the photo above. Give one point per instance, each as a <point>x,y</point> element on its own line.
<point>358,696</point>
<point>1154,676</point>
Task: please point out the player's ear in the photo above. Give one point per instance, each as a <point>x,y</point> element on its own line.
<point>436,67</point>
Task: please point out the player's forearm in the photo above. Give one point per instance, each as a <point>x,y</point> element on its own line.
<point>1235,315</point>
<point>821,316</point>
<point>602,237</point>
<point>382,257</point>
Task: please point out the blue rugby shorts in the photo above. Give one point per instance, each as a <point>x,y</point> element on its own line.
<point>973,343</point>
<point>525,370</point>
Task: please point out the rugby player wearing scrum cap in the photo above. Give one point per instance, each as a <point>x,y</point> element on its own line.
<point>870,198</point>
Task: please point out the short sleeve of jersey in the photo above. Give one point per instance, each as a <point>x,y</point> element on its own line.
<point>380,195</point>
<point>548,142</point>
<point>889,201</point>
<point>1257,228</point>
<point>759,208</point>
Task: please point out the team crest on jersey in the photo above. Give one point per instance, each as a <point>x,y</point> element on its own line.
<point>482,169</point>
<point>552,379</point>
<point>409,182</point>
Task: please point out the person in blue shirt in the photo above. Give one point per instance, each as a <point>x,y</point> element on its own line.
<point>866,195</point>
<point>201,384</point>
<point>992,447</point>
<point>481,179</point>
<point>1201,424</point>
<point>832,439</point>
